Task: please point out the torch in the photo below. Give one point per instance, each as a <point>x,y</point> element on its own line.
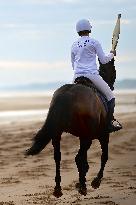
<point>116,32</point>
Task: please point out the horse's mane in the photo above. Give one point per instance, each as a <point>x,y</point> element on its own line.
<point>108,73</point>
<point>85,81</point>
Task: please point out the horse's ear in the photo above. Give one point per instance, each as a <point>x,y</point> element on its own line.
<point>112,61</point>
<point>99,61</point>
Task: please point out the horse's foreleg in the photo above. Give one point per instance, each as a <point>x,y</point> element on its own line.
<point>82,165</point>
<point>57,158</point>
<point>104,146</point>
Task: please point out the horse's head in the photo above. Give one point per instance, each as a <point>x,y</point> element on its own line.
<point>108,73</point>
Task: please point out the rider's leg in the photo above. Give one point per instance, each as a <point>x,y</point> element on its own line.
<point>102,86</point>
<point>99,83</point>
<point>105,89</point>
<point>111,127</point>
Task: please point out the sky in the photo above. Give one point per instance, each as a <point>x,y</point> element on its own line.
<point>36,37</point>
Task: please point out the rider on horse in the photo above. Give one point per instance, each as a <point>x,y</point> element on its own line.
<point>83,58</point>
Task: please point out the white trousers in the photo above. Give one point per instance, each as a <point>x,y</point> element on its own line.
<point>99,83</point>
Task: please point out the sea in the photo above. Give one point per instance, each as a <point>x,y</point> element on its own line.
<point>125,102</point>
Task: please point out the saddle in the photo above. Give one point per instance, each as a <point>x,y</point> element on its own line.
<point>87,82</point>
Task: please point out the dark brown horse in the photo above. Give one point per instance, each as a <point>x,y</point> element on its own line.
<point>76,109</point>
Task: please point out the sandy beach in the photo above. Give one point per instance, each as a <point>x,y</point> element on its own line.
<point>27,181</point>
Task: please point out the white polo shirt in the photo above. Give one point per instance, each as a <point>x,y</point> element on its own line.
<point>83,56</point>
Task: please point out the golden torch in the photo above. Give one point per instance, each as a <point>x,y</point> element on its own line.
<point>116,32</point>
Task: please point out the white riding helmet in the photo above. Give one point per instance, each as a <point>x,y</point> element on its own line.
<point>83,25</point>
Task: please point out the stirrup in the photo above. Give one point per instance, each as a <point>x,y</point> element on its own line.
<point>116,123</point>
<point>114,126</point>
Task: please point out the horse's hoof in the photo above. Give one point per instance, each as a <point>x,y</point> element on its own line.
<point>57,192</point>
<point>96,183</point>
<point>83,190</point>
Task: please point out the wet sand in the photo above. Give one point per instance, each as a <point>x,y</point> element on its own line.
<point>27,181</point>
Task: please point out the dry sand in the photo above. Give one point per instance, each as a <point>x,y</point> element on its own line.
<point>26,181</point>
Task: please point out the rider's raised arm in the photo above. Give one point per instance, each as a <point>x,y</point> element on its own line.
<point>101,55</point>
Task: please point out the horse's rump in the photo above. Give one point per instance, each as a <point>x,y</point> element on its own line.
<point>75,106</point>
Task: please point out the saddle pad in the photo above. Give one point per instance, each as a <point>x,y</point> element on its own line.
<point>103,99</point>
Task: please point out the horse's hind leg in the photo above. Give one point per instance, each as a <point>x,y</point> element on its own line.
<point>82,165</point>
<point>57,157</point>
<point>104,146</point>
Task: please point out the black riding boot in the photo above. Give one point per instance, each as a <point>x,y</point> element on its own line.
<point>110,117</point>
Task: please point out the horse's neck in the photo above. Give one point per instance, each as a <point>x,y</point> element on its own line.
<point>108,73</point>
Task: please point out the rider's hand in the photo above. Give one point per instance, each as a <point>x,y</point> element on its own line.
<point>114,52</point>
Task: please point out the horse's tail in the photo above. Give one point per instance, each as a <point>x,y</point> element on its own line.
<point>53,126</point>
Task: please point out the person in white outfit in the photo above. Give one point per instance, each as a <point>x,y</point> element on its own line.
<point>83,59</point>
